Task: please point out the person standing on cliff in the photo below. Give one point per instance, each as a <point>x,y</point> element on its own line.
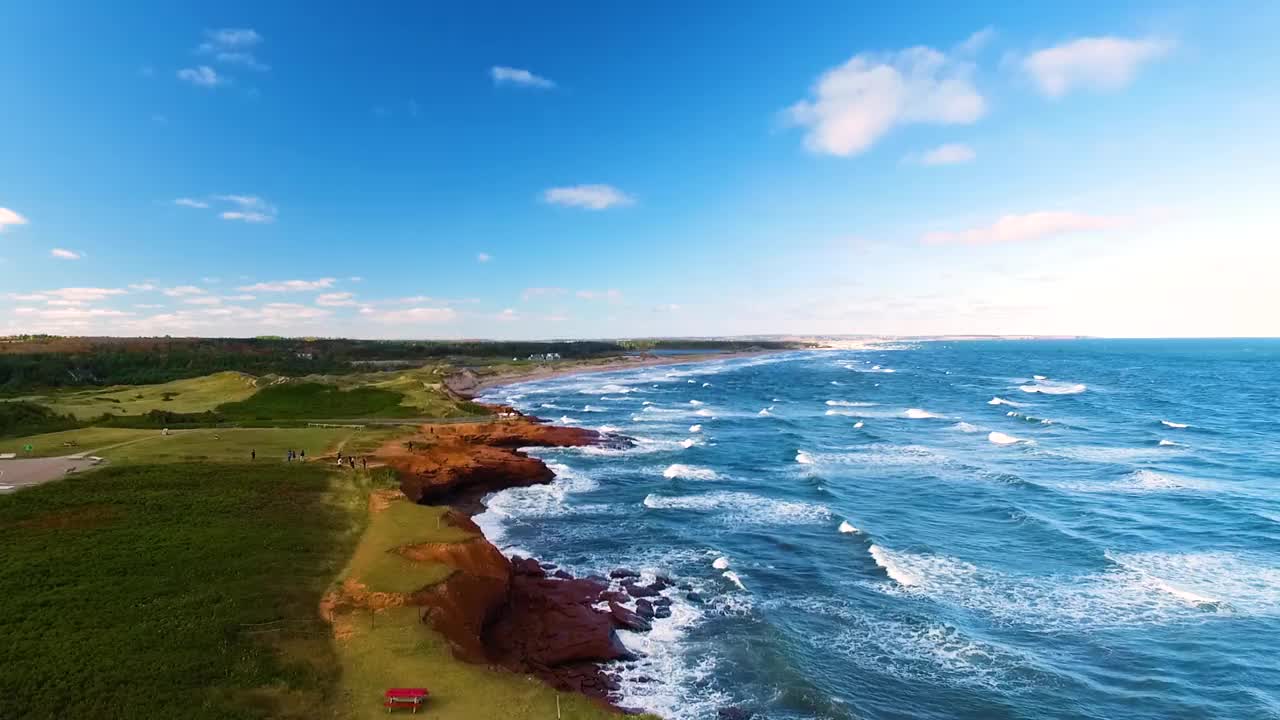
<point>253,454</point>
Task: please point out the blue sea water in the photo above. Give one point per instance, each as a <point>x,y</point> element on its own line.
<point>992,529</point>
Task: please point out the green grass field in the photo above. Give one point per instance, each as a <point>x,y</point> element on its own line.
<point>174,591</point>
<point>184,396</point>
<point>302,401</point>
<point>70,442</point>
<point>121,445</point>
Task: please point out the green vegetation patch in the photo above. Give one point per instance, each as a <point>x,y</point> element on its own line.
<point>173,591</point>
<point>27,418</point>
<point>194,395</point>
<point>296,401</point>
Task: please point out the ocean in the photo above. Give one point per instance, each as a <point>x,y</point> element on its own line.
<point>986,529</point>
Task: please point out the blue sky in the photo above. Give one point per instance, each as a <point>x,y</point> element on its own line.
<point>610,170</point>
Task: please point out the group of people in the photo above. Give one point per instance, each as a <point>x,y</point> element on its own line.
<point>301,455</point>
<point>350,461</point>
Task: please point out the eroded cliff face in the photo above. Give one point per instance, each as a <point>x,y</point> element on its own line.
<point>522,615</point>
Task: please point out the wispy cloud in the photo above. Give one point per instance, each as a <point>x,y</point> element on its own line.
<point>184,291</point>
<point>340,299</point>
<point>1021,228</point>
<point>141,287</point>
<point>71,294</point>
<point>249,208</point>
<point>853,105</point>
<point>202,76</point>
<point>9,218</point>
<point>202,300</point>
<point>64,254</point>
<point>483,257</point>
<point>190,202</point>
<point>949,154</point>
<point>233,46</point>
<point>503,75</point>
<point>412,316</point>
<point>1095,63</point>
<point>289,286</point>
<point>590,197</point>
<point>609,295</point>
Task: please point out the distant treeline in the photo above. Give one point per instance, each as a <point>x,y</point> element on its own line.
<point>51,363</point>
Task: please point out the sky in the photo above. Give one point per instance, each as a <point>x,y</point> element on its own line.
<point>555,170</point>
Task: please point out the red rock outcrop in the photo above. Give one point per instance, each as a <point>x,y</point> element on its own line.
<point>493,610</point>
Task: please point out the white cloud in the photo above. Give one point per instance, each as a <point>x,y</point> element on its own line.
<point>232,38</point>
<point>1096,63</point>
<point>202,76</point>
<point>669,307</point>
<point>191,203</point>
<point>147,306</point>
<point>515,76</point>
<point>432,315</point>
<point>977,41</point>
<point>1021,228</point>
<point>141,287</point>
<point>355,278</point>
<point>854,105</point>
<point>64,254</point>
<point>239,298</point>
<point>249,217</point>
<point>340,299</point>
<point>83,294</point>
<point>184,291</point>
<point>591,197</point>
<point>948,154</point>
<point>508,315</point>
<point>484,257</point>
<point>202,300</point>
<point>610,295</point>
<point>9,217</point>
<point>289,286</point>
<point>251,209</point>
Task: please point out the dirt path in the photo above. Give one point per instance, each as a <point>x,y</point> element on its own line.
<point>19,473</point>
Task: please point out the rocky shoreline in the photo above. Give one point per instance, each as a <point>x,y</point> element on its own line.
<point>519,614</point>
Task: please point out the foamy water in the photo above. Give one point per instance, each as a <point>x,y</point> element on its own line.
<point>992,529</point>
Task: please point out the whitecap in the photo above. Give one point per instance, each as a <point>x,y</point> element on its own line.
<point>889,563</point>
<point>1166,443</point>
<point>740,508</point>
<point>688,472</point>
<point>688,443</point>
<point>566,420</point>
<point>1000,438</point>
<point>704,413</point>
<point>765,412</point>
<point>858,425</point>
<point>720,563</point>
<point>849,403</point>
<point>706,384</point>
<point>847,528</point>
<point>607,429</point>
<point>695,403</point>
<point>695,428</point>
<point>1001,401</point>
<point>732,577</point>
<point>1038,377</point>
<point>1171,424</point>
<point>965,427</point>
<point>804,458</point>
<point>918,414</point>
<point>1049,387</point>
